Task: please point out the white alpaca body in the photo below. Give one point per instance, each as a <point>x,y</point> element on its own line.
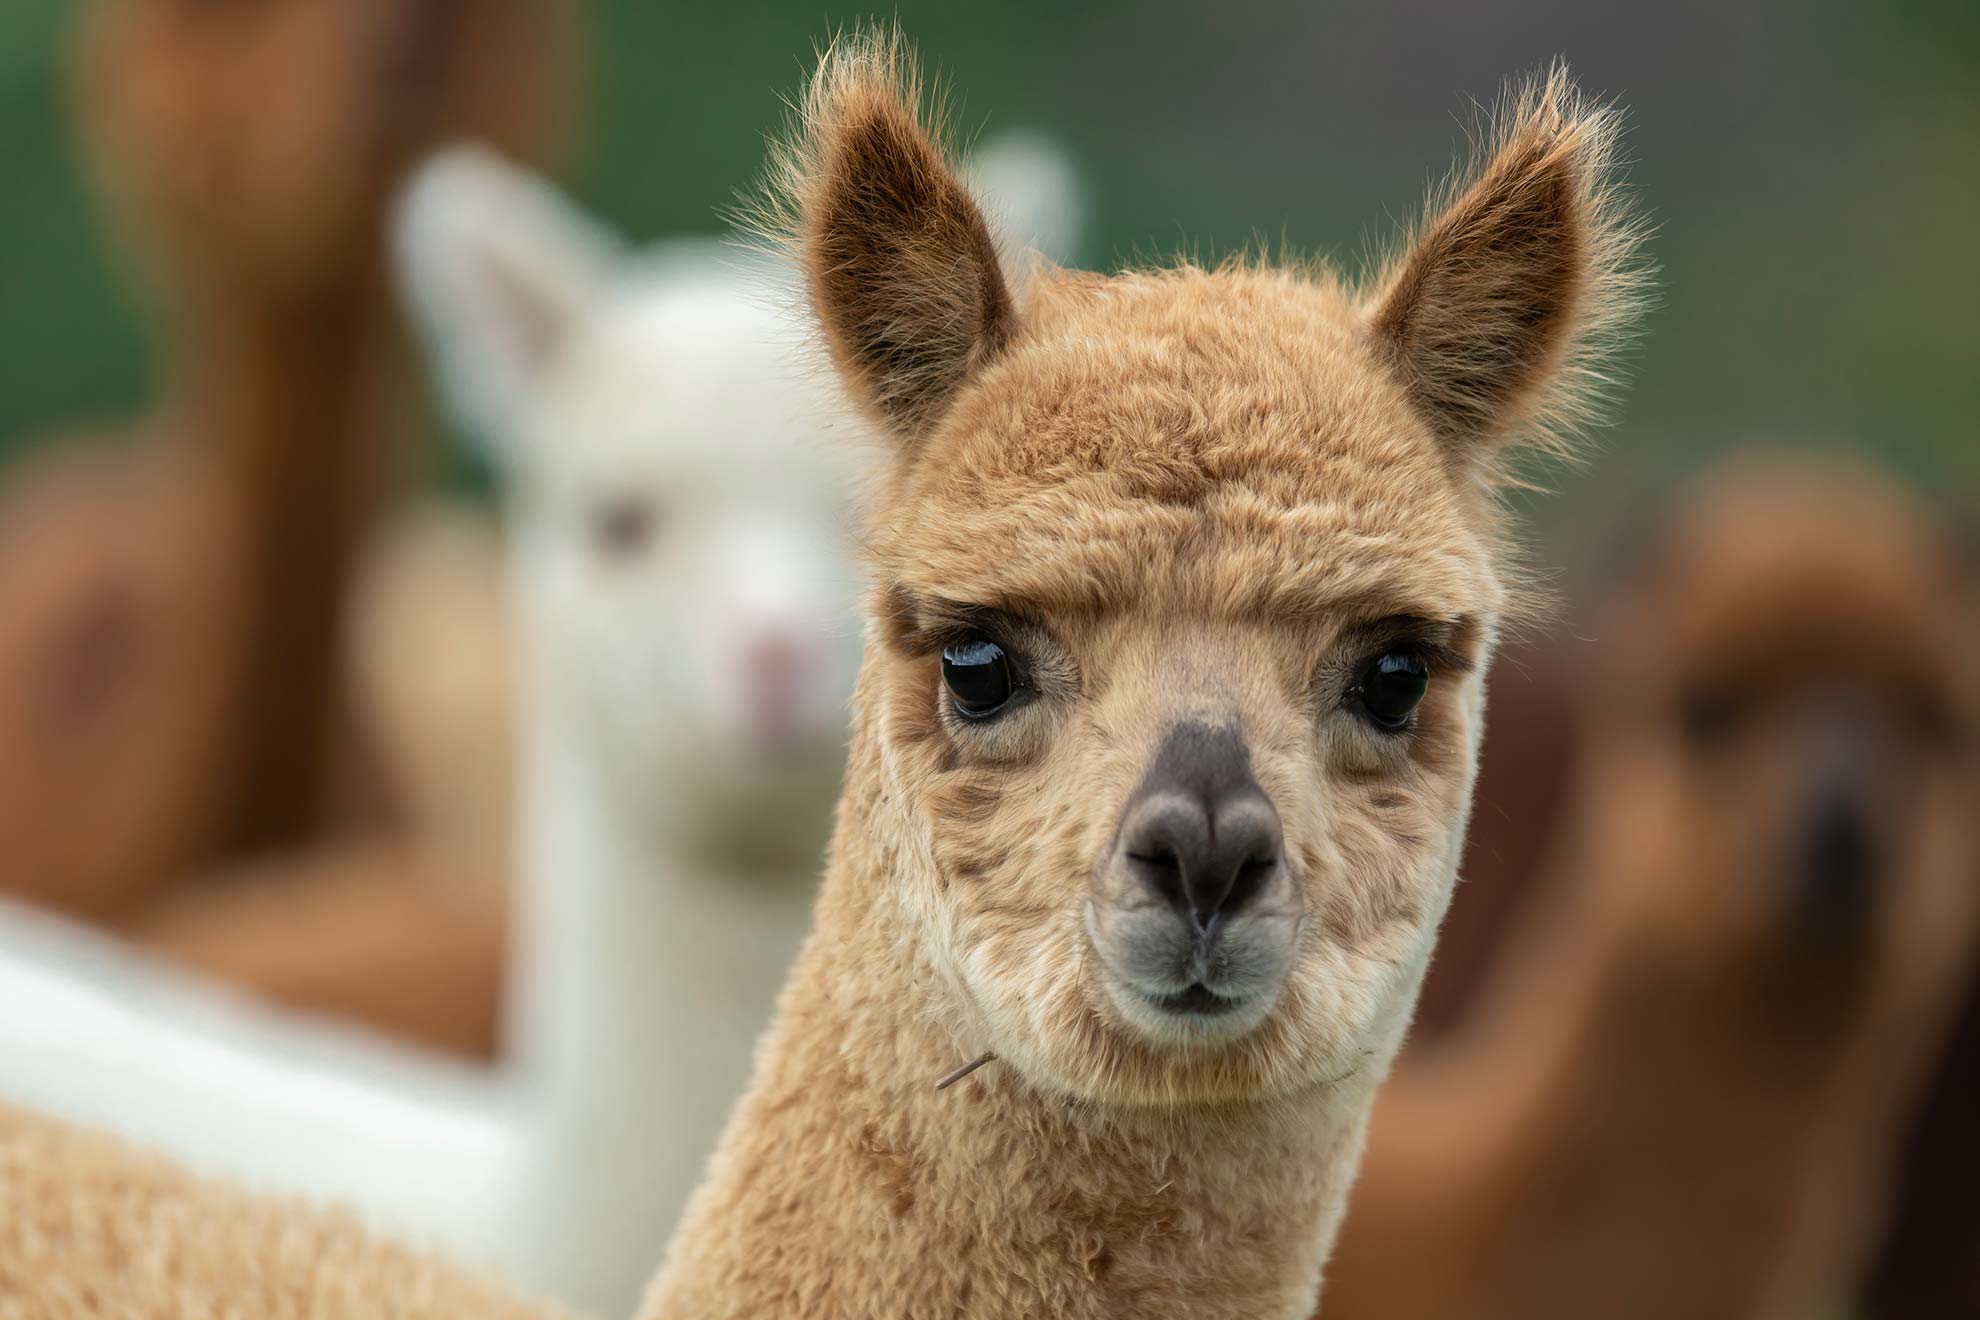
<point>278,1102</point>
<point>680,470</point>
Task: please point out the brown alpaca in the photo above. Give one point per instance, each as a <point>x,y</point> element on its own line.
<point>1683,1092</point>
<point>97,1229</point>
<point>170,636</point>
<point>1185,582</point>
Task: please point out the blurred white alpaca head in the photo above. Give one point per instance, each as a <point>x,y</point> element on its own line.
<point>681,470</point>
<point>679,475</point>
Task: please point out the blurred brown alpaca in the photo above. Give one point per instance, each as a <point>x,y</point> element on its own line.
<point>173,699</point>
<point>1683,1086</point>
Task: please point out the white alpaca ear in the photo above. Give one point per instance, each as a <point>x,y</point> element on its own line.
<point>497,269</point>
<point>1032,197</point>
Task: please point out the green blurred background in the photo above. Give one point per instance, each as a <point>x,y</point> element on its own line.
<point>1813,167</point>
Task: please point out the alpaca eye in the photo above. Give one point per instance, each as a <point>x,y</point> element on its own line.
<point>978,675</point>
<point>1709,714</point>
<point>622,526</point>
<point>1390,688</point>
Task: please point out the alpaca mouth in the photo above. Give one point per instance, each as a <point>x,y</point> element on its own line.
<point>1173,987</point>
<point>1197,1000</point>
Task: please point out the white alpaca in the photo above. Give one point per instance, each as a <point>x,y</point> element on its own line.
<point>681,589</point>
<point>681,592</point>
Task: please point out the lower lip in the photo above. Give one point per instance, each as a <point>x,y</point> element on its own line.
<point>1197,1001</point>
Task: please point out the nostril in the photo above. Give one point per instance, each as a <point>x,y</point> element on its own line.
<point>1251,878</point>
<point>1206,859</point>
<point>1248,844</point>
<point>1161,870</point>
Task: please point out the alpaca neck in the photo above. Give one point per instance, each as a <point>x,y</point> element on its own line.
<point>849,1186</point>
<point>641,983</point>
<point>288,411</point>
<point>1634,1107</point>
<point>633,950</point>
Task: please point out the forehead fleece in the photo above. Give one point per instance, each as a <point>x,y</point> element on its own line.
<point>1218,441</point>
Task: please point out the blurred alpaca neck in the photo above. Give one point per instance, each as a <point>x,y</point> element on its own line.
<point>291,413</point>
<point>642,980</point>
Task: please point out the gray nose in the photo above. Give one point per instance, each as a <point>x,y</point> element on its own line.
<point>1199,831</point>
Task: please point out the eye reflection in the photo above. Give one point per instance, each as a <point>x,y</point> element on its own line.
<point>978,675</point>
<point>1390,688</point>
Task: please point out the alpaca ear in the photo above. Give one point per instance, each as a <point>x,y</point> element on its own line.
<point>497,269</point>
<point>901,268</point>
<point>1501,308</point>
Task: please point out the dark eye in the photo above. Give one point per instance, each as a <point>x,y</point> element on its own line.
<point>1390,687</point>
<point>1711,713</point>
<point>622,526</point>
<point>978,674</point>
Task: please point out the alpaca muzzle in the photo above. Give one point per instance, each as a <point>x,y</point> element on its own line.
<point>1193,909</point>
<point>1834,851</point>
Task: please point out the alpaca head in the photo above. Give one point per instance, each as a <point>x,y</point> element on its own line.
<point>257,141</point>
<point>1791,713</point>
<point>679,479</point>
<point>1183,587</point>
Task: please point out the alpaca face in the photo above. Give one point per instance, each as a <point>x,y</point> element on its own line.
<point>682,494</point>
<point>680,481</point>
<point>1184,582</point>
<point>1801,699</point>
<point>1202,843</point>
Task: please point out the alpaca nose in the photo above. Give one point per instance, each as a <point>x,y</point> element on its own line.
<point>1199,832</point>
<point>1839,864</point>
<point>772,661</point>
<point>775,665</point>
<point>1835,852</point>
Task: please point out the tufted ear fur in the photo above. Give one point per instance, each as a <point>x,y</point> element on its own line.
<point>902,270</point>
<point>1501,308</point>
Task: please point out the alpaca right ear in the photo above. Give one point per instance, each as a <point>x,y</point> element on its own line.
<point>1499,311</point>
<point>497,269</point>
<point>902,271</point>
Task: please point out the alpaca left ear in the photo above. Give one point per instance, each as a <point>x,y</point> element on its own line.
<point>902,269</point>
<point>1499,311</point>
<point>498,269</point>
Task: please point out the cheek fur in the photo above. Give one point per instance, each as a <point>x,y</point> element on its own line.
<point>1372,859</point>
<point>914,719</point>
<point>1013,854</point>
<point>1386,857</point>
